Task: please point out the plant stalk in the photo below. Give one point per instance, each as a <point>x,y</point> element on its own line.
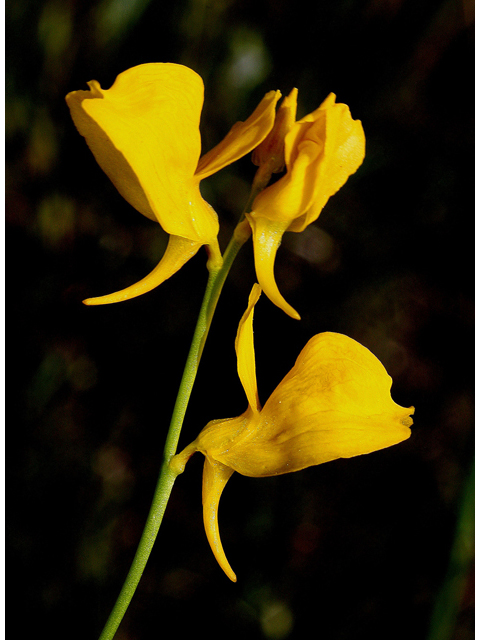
<point>216,280</point>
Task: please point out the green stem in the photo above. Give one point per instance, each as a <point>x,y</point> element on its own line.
<point>215,284</point>
<point>449,598</point>
<point>168,475</point>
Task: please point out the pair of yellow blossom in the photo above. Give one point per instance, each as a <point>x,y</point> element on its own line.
<point>144,133</point>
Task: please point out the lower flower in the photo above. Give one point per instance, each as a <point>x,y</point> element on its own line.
<point>334,403</point>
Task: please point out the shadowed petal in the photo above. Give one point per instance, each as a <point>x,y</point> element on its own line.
<point>271,151</point>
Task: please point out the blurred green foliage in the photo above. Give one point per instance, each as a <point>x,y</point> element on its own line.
<point>356,547</point>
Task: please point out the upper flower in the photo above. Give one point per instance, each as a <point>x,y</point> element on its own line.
<point>321,151</point>
<point>334,403</point>
<point>144,133</point>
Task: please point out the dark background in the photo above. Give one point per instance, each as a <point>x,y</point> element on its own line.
<point>352,548</point>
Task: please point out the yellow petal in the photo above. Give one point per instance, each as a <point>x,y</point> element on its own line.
<point>301,128</point>
<point>321,151</point>
<point>242,137</point>
<point>334,403</point>
<point>246,352</point>
<point>267,236</point>
<point>271,150</point>
<point>144,133</point>
<point>344,150</point>
<point>294,193</point>
<point>215,477</point>
<point>178,252</point>
<point>328,102</point>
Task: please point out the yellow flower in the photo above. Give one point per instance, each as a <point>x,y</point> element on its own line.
<point>334,403</point>
<point>321,151</point>
<point>144,133</point>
